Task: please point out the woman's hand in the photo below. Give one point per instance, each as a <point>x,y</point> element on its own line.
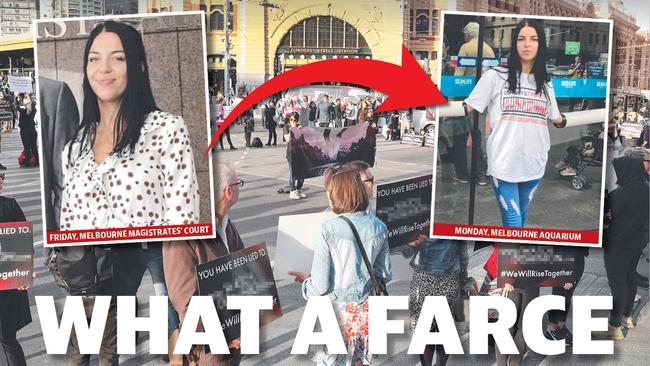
<point>507,289</point>
<point>300,277</point>
<point>559,122</point>
<point>417,242</point>
<point>235,343</point>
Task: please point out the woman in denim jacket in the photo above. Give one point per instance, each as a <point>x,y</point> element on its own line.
<point>440,269</point>
<point>338,270</point>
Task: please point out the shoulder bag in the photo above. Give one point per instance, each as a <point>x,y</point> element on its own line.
<point>378,286</point>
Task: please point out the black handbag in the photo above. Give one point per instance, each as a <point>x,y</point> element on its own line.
<point>378,286</point>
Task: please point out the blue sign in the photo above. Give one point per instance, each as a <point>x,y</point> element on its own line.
<point>595,70</point>
<point>462,86</point>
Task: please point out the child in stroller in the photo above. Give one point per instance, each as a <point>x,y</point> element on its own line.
<point>588,153</point>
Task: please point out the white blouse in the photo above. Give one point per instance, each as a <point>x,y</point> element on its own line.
<point>155,185</point>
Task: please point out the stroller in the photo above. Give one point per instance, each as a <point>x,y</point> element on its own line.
<point>588,153</point>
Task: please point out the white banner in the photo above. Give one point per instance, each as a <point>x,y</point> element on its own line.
<point>20,84</point>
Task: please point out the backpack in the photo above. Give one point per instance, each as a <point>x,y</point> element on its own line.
<point>257,142</point>
<point>80,269</point>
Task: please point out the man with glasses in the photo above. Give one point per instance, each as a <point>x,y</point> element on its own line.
<point>181,257</point>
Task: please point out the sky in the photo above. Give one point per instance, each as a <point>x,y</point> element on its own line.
<point>641,11</point>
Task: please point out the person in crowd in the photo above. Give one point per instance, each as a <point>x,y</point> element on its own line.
<point>242,88</point>
<point>295,185</point>
<point>325,110</point>
<point>517,148</point>
<point>337,251</point>
<point>181,257</point>
<point>625,238</point>
<point>152,181</point>
<point>270,123</point>
<point>577,70</point>
<point>521,297</point>
<point>304,111</point>
<point>556,328</point>
<point>14,304</point>
<point>339,111</point>
<point>350,114</point>
<point>248,121</point>
<point>28,135</point>
<point>313,113</point>
<point>440,269</point>
<point>394,130</point>
<point>222,115</point>
<point>460,126</point>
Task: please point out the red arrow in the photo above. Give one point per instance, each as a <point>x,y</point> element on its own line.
<point>406,85</point>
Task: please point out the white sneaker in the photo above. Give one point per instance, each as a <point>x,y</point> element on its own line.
<point>294,195</point>
<point>568,172</point>
<point>302,195</point>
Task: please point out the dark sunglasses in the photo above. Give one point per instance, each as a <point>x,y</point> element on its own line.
<point>239,183</point>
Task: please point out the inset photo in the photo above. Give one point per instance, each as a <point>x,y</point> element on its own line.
<point>521,144</point>
<point>123,129</point>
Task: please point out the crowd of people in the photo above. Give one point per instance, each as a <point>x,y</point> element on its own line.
<point>19,112</point>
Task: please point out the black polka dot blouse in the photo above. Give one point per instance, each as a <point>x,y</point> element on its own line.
<point>155,185</point>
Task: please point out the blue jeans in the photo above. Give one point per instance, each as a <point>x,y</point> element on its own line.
<point>513,200</point>
<point>154,263</point>
<point>295,184</point>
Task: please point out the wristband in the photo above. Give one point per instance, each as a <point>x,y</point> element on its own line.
<point>564,121</point>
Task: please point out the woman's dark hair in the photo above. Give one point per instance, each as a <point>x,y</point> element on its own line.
<point>539,67</point>
<point>296,116</point>
<point>137,100</point>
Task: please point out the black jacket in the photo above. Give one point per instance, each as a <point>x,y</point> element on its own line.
<point>14,304</point>
<point>269,118</point>
<point>629,205</point>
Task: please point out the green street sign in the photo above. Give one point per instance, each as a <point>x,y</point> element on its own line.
<point>572,48</point>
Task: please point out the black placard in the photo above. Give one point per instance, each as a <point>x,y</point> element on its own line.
<point>526,265</point>
<point>405,207</point>
<point>16,255</point>
<point>246,272</point>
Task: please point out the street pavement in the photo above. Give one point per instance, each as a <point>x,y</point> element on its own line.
<point>256,217</point>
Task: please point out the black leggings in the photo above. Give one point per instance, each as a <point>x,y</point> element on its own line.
<point>555,316</point>
<point>273,135</point>
<point>620,265</point>
<point>11,353</point>
<point>227,133</point>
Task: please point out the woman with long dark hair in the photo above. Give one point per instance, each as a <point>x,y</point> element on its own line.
<point>129,164</point>
<point>519,101</point>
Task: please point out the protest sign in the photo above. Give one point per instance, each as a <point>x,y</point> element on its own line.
<point>16,255</point>
<point>405,208</point>
<point>313,150</point>
<point>20,84</point>
<point>526,265</point>
<point>294,248</point>
<point>246,272</point>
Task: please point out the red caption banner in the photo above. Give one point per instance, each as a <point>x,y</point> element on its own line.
<point>130,233</point>
<point>511,233</point>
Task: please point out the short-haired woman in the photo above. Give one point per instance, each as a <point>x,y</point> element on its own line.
<point>338,269</point>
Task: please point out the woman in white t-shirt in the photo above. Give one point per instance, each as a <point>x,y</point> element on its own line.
<point>519,101</point>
